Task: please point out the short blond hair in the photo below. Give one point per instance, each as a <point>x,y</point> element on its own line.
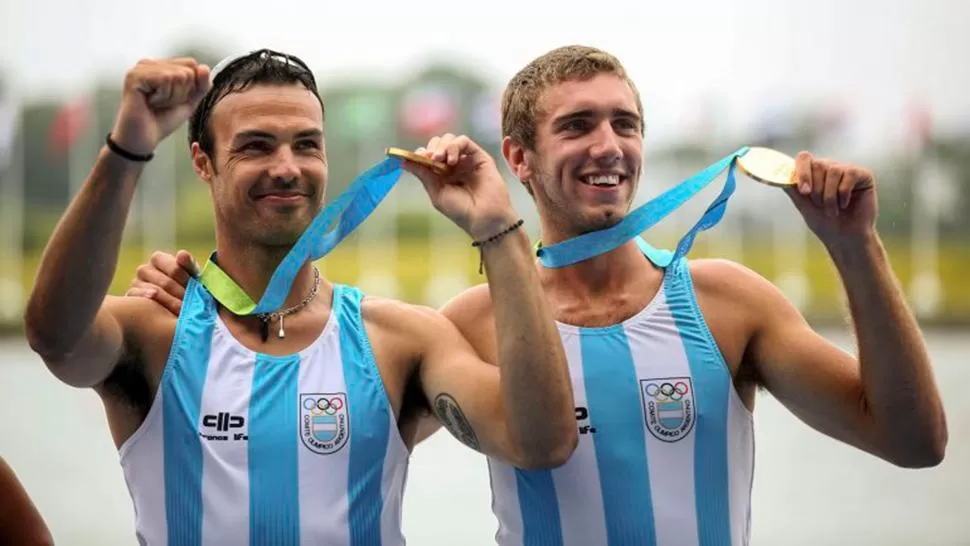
<point>520,100</point>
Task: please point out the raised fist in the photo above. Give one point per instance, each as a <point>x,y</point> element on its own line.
<point>158,96</point>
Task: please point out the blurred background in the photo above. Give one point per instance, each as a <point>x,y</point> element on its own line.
<point>882,84</point>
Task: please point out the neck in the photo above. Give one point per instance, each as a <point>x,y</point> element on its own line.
<point>609,273</point>
<point>252,266</point>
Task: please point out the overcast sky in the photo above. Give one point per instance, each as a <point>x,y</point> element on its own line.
<point>740,57</point>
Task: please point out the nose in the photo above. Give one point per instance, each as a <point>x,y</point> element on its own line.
<point>284,165</point>
<point>605,148</point>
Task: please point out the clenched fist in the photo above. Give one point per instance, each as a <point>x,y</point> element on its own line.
<point>158,96</point>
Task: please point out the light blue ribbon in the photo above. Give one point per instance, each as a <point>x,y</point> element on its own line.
<point>589,245</point>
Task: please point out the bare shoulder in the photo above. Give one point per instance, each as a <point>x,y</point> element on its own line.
<point>738,305</point>
<point>467,309</point>
<point>727,282</point>
<point>404,324</point>
<point>149,331</point>
<point>724,276</point>
<point>473,314</point>
<point>142,318</point>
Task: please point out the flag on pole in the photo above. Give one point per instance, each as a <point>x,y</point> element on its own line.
<point>428,111</point>
<point>70,122</point>
<point>71,134</point>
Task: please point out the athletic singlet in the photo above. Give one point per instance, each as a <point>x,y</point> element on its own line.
<point>245,448</point>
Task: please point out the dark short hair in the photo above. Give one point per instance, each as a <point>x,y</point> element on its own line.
<point>233,75</point>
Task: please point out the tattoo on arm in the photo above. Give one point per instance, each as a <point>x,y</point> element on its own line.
<point>454,420</point>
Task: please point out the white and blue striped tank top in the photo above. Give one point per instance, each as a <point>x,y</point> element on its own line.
<point>245,448</point>
<point>666,445</point>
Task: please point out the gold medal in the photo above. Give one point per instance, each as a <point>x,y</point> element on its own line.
<point>436,166</point>
<point>768,166</point>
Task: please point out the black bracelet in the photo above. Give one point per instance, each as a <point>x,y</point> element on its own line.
<point>493,238</point>
<point>113,146</point>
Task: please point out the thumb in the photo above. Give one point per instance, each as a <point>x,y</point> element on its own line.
<point>185,260</point>
<point>801,202</point>
<point>202,83</point>
<point>428,178</point>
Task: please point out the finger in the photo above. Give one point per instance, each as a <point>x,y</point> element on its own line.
<point>830,192</point>
<point>819,167</point>
<point>169,266</point>
<point>163,282</point>
<point>141,289</point>
<point>803,172</point>
<point>800,200</point>
<point>183,84</point>
<point>201,87</point>
<point>441,151</point>
<point>147,80</point>
<point>849,182</point>
<point>141,292</point>
<point>457,148</point>
<point>425,175</point>
<point>432,147</point>
<point>203,78</point>
<point>162,89</point>
<point>172,304</point>
<point>189,62</point>
<point>184,81</point>
<point>188,263</point>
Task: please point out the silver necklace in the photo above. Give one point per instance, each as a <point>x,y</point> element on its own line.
<point>266,318</point>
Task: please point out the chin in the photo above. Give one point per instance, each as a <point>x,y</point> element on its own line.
<point>280,235</point>
<point>601,220</point>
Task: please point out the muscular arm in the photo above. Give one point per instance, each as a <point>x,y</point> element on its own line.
<point>20,522</point>
<point>69,322</point>
<point>522,409</point>
<point>885,401</point>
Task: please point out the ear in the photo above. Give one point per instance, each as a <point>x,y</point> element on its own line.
<point>515,157</point>
<point>201,164</point>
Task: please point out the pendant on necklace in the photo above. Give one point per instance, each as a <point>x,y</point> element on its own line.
<point>281,333</point>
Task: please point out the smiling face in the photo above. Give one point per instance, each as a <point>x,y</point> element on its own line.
<point>573,129</point>
<point>268,171</point>
<point>588,154</point>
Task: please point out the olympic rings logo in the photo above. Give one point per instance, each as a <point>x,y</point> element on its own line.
<point>666,392</point>
<point>323,405</point>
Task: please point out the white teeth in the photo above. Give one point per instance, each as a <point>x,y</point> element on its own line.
<point>608,180</point>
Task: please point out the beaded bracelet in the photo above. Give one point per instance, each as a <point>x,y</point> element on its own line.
<point>492,239</point>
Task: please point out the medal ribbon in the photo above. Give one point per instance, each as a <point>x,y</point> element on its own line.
<point>589,245</point>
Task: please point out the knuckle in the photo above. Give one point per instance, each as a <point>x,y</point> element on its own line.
<point>158,259</point>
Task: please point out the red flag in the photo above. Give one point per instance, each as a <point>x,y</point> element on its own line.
<point>70,122</point>
<point>428,111</point>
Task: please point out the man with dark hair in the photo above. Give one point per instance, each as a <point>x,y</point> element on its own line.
<point>230,436</point>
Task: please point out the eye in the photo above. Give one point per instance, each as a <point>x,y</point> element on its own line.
<point>575,125</point>
<point>255,146</point>
<point>627,124</point>
<point>308,145</point>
